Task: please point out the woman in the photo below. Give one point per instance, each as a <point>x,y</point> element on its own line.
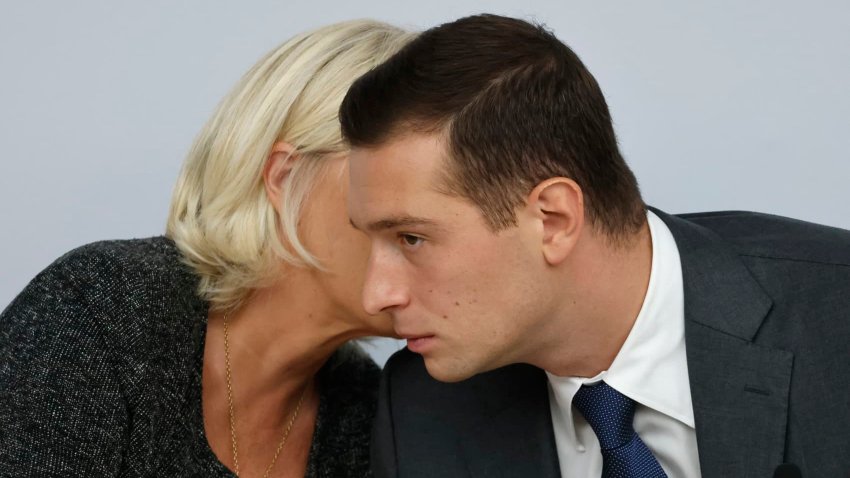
<point>220,348</point>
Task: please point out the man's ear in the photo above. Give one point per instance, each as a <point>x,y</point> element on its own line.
<point>559,204</point>
<point>282,158</point>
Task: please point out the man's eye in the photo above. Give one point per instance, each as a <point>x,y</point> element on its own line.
<point>410,240</point>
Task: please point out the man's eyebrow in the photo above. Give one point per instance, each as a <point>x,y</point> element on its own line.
<point>395,222</point>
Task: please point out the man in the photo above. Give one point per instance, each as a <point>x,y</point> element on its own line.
<point>571,330</point>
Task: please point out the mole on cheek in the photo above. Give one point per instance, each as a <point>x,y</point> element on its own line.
<point>457,303</point>
<point>445,316</point>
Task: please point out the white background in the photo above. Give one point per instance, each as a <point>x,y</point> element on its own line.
<point>718,105</point>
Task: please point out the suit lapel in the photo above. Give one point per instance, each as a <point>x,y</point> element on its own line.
<point>517,439</point>
<point>739,389</point>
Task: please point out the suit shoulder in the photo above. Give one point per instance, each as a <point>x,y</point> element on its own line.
<point>351,372</point>
<point>349,394</point>
<point>404,361</point>
<point>777,237</point>
<point>408,380</point>
<point>405,369</point>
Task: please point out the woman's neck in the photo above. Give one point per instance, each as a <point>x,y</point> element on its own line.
<point>278,340</point>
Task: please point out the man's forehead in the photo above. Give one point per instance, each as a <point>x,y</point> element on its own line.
<point>403,166</point>
<point>426,148</point>
<point>398,183</point>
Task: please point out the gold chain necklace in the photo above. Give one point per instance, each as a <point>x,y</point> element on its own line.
<point>231,414</point>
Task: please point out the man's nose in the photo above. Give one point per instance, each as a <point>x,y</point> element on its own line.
<point>383,287</point>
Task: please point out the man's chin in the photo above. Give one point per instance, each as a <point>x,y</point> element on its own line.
<point>449,374</point>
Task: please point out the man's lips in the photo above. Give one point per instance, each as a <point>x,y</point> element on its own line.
<point>418,343</point>
<point>408,336</point>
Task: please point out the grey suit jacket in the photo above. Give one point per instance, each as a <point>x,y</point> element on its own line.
<point>767,330</point>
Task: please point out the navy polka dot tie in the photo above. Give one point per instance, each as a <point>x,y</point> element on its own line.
<point>610,414</point>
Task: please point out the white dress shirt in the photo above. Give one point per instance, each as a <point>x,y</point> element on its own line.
<point>651,368</point>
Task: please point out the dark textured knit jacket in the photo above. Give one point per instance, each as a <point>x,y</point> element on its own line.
<point>100,374</point>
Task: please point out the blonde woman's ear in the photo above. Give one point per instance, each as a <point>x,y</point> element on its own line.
<point>282,158</point>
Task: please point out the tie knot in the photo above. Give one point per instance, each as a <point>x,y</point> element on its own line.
<point>608,412</point>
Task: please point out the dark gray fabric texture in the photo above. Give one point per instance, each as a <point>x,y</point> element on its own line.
<point>100,374</point>
<point>767,333</point>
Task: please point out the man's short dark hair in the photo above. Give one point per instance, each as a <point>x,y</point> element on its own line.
<point>516,106</point>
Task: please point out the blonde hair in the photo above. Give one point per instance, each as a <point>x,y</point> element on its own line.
<point>221,218</point>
